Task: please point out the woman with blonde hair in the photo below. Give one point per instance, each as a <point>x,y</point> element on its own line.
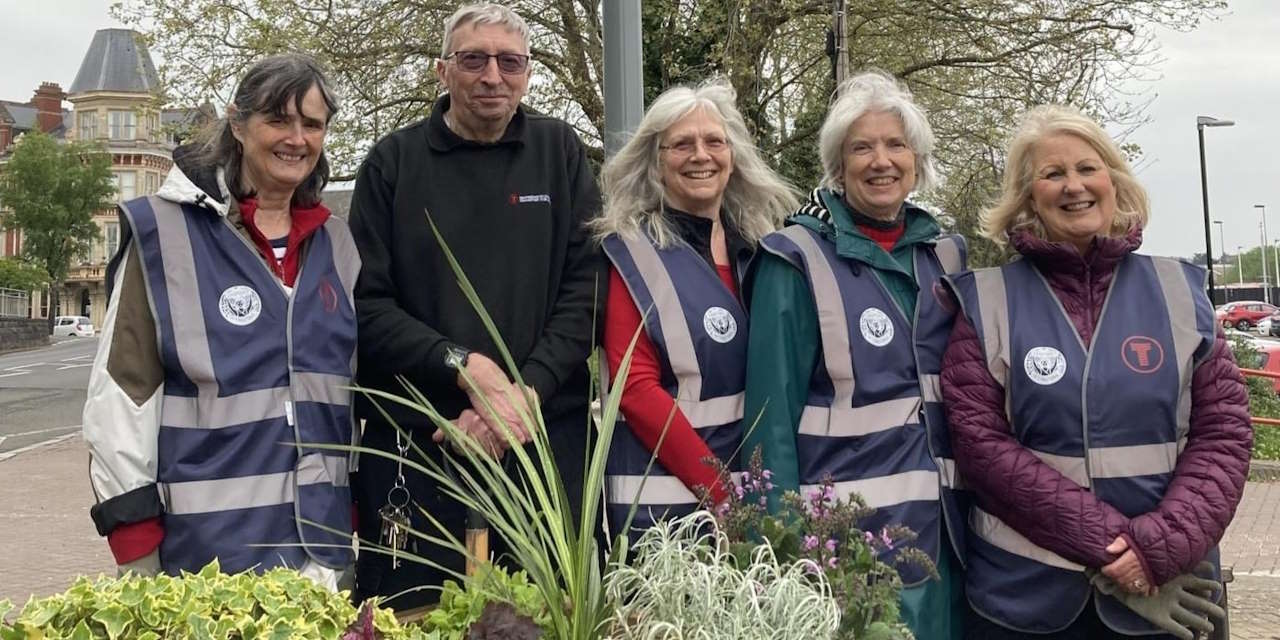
<point>1097,415</point>
<point>685,202</point>
<point>847,336</point>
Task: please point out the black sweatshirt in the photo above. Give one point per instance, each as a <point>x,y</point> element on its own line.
<point>513,214</point>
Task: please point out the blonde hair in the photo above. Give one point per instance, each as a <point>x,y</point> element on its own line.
<point>1013,211</point>
<point>755,199</point>
<point>869,92</point>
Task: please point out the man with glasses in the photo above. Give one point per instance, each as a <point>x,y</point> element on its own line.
<point>509,191</point>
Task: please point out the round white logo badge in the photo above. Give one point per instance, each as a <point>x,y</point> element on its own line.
<point>240,305</point>
<point>876,327</point>
<point>1045,365</point>
<point>719,324</point>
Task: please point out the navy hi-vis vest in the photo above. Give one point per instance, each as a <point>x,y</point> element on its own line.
<point>700,332</point>
<point>252,376</point>
<point>873,420</point>
<point>1112,416</point>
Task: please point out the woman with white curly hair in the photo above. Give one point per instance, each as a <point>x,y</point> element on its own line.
<point>686,201</point>
<point>847,336</point>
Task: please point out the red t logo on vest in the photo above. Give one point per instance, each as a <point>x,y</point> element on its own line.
<point>1142,354</point>
<point>328,296</point>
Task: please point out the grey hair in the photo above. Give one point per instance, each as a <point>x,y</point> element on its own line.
<point>755,199</point>
<point>268,88</point>
<point>867,92</point>
<point>483,13</point>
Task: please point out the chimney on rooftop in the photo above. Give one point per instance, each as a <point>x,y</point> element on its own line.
<point>48,103</point>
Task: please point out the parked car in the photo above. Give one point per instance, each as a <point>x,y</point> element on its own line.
<point>1244,314</point>
<point>1270,325</point>
<point>1269,356</point>
<point>72,326</point>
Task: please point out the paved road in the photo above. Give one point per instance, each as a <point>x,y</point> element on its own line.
<point>42,393</point>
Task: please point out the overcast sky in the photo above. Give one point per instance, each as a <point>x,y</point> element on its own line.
<point>1228,69</point>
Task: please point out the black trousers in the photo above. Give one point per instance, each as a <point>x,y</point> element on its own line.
<point>413,584</point>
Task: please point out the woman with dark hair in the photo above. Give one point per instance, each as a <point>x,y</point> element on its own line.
<point>229,337</point>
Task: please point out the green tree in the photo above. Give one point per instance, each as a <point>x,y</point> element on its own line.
<point>973,65</point>
<point>51,190</point>
<point>18,274</point>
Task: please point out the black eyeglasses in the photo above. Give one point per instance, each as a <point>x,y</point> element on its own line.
<point>475,61</point>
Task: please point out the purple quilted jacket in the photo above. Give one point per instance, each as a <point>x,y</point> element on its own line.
<point>1013,484</point>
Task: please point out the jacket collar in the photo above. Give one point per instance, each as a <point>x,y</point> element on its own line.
<point>696,231</point>
<point>1062,257</point>
<point>187,183</point>
<point>829,207</point>
<point>443,139</point>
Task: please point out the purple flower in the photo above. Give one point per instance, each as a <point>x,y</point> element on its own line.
<point>737,490</point>
<point>884,537</point>
<point>831,562</point>
<point>869,537</point>
<point>810,543</point>
<point>768,486</point>
<point>831,545</point>
<point>763,501</point>
<point>767,474</point>
<point>746,477</point>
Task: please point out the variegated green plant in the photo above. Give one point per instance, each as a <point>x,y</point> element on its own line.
<point>280,604</point>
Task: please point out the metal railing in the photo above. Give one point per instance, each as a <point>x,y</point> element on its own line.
<point>15,303</point>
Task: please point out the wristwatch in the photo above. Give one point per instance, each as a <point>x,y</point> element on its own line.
<point>455,357</point>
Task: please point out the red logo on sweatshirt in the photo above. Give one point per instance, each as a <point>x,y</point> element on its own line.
<point>1142,354</point>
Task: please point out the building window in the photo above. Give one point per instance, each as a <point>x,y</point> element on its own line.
<point>149,183</point>
<point>153,128</point>
<point>124,125</point>
<point>88,126</point>
<point>126,185</point>
<point>111,233</point>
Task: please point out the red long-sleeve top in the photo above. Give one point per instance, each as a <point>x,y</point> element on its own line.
<point>645,403</point>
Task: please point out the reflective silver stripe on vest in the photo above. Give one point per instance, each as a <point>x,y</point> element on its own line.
<point>994,307</point>
<point>656,490</point>
<point>215,412</point>
<point>675,332</point>
<point>184,299</point>
<point>931,387</point>
<point>1117,462</point>
<point>848,422</point>
<point>948,251</point>
<point>1002,536</point>
<point>832,323</point>
<point>1182,320</point>
<point>316,468</point>
<point>228,494</point>
<point>949,474</point>
<point>886,491</point>
<point>713,412</point>
<point>344,253</point>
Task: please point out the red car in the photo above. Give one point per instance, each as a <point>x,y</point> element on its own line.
<point>1244,314</point>
<point>1269,354</point>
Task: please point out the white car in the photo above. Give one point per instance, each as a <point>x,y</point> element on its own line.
<point>72,326</point>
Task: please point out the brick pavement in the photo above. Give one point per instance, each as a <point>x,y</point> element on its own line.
<point>47,539</point>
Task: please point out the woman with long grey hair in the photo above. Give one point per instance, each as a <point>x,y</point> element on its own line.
<point>227,348</point>
<point>686,201</point>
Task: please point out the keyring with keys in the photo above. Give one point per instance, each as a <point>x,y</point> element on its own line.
<point>395,513</point>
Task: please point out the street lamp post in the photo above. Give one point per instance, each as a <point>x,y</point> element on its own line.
<point>1262,255</point>
<point>1201,123</point>
<point>1222,243</point>
<point>1239,264</point>
<point>1262,208</point>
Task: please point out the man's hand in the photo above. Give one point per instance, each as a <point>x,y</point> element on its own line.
<point>489,383</point>
<point>1126,571</point>
<point>474,427</point>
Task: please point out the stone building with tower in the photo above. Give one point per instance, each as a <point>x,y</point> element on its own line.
<point>115,99</point>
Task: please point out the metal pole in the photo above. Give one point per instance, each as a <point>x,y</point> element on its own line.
<point>1222,243</point>
<point>1204,190</point>
<point>1240,263</point>
<point>842,42</point>
<point>1266,287</point>
<point>623,72</point>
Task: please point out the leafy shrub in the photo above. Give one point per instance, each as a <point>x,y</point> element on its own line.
<point>823,531</point>
<point>461,610</point>
<point>1263,401</point>
<point>683,583</point>
<point>279,604</point>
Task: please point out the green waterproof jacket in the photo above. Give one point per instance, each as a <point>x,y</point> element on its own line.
<point>784,342</point>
